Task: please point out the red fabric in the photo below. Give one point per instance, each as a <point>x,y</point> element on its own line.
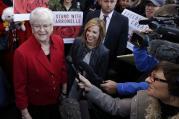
<point>26,6</point>
<point>6,57</point>
<point>37,80</point>
<point>2,7</point>
<point>67,31</point>
<point>24,35</point>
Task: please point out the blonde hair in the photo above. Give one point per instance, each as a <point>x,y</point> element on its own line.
<point>102,31</point>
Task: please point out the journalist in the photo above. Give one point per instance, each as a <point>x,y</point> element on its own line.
<point>159,101</point>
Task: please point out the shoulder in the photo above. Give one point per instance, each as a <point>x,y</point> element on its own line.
<point>139,104</point>
<point>27,44</point>
<point>28,48</point>
<point>102,50</point>
<point>57,39</point>
<point>93,14</point>
<point>120,16</point>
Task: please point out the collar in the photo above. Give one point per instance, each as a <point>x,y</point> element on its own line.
<point>109,15</point>
<point>52,40</point>
<point>154,110</point>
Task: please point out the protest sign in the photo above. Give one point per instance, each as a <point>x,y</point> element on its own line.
<point>134,25</point>
<point>134,19</point>
<point>66,24</point>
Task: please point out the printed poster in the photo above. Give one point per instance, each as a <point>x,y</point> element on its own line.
<point>134,25</point>
<point>66,24</point>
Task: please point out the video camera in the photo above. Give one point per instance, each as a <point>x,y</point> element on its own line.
<point>163,27</point>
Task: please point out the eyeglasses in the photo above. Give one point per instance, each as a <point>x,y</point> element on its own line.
<point>157,79</point>
<point>44,26</point>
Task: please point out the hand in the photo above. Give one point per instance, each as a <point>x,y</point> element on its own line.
<point>25,114</point>
<point>109,86</point>
<point>84,83</point>
<point>64,88</point>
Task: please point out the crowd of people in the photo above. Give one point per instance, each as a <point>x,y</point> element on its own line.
<point>37,73</point>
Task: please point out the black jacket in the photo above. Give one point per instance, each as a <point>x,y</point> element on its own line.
<point>98,60</point>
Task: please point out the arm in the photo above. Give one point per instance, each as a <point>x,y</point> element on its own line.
<point>20,80</point>
<point>114,106</point>
<point>130,88</point>
<point>143,61</point>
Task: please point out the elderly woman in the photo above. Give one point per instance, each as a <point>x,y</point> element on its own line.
<point>159,101</point>
<point>39,69</point>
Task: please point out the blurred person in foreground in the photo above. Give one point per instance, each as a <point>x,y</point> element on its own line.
<point>159,101</point>
<point>40,69</point>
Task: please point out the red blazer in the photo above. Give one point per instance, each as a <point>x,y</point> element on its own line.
<point>37,80</point>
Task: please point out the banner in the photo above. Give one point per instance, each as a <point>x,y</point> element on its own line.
<point>134,25</point>
<point>134,19</point>
<point>66,24</point>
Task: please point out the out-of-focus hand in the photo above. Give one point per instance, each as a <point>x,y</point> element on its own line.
<point>147,79</point>
<point>83,83</point>
<point>109,86</point>
<point>25,114</point>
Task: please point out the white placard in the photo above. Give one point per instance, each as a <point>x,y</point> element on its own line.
<point>73,18</point>
<point>68,18</point>
<point>134,19</point>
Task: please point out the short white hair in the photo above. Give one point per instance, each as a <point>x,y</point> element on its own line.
<point>41,13</point>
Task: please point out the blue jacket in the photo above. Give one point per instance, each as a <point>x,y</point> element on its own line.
<point>130,88</point>
<point>143,61</point>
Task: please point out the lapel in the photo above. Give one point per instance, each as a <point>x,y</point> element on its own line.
<point>44,61</point>
<point>41,57</point>
<point>111,24</point>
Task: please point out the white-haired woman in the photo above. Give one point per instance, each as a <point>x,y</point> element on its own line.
<point>39,69</point>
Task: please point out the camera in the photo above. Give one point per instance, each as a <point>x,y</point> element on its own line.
<point>163,28</point>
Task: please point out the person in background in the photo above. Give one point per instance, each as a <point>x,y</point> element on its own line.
<point>121,5</point>
<point>151,6</point>
<point>39,70</point>
<point>159,101</point>
<point>116,32</point>
<point>7,48</point>
<point>116,35</point>
<point>69,5</point>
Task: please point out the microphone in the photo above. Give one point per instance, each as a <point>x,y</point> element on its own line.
<point>144,22</point>
<point>70,61</point>
<point>92,76</point>
<point>147,21</point>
